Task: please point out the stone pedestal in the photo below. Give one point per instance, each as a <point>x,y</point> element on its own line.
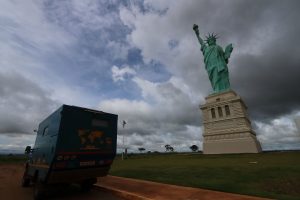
<point>227,128</point>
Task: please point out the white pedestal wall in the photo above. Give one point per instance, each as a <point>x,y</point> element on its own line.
<point>227,128</point>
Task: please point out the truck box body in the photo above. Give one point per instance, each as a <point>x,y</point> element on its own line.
<point>74,144</point>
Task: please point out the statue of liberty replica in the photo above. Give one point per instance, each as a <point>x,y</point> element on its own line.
<point>216,61</point>
<point>227,128</point>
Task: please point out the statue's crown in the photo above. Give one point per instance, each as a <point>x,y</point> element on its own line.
<point>211,37</point>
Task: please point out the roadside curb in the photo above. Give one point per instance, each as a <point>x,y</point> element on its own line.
<point>120,193</point>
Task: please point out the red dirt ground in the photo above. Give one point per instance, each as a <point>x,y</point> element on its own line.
<point>11,189</point>
<point>159,191</point>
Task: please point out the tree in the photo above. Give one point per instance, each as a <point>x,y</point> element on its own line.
<point>141,149</point>
<point>169,148</point>
<point>194,148</point>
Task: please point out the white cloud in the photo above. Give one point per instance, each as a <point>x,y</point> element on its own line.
<point>90,15</point>
<point>166,114</point>
<point>119,50</point>
<point>28,39</point>
<point>279,133</point>
<point>15,143</point>
<point>30,88</point>
<point>297,121</point>
<point>163,22</point>
<point>120,74</point>
<point>185,60</point>
<point>52,48</point>
<point>125,106</point>
<point>23,104</point>
<point>157,4</point>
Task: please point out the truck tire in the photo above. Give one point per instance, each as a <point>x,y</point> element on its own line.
<point>87,185</point>
<point>38,191</point>
<point>25,178</point>
<point>39,188</point>
<point>25,182</point>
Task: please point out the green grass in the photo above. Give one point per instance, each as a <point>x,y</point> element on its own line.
<point>275,175</point>
<point>13,158</point>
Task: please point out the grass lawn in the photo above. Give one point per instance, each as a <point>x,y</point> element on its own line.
<point>273,175</point>
<point>12,159</point>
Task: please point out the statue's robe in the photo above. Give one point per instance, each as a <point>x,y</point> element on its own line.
<point>216,67</point>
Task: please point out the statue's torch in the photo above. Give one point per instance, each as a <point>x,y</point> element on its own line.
<point>195,28</point>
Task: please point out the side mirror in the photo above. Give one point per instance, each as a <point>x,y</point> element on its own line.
<point>28,149</point>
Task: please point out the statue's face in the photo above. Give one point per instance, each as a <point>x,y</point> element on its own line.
<point>211,42</point>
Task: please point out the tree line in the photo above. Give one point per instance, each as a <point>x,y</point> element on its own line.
<point>169,148</point>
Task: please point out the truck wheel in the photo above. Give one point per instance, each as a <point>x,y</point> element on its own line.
<point>25,182</point>
<point>87,185</point>
<point>38,191</point>
<point>25,179</point>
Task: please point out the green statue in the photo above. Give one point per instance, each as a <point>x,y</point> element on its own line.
<point>215,60</point>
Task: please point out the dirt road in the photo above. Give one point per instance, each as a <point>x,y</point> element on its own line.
<point>10,188</point>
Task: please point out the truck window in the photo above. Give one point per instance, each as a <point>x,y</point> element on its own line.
<point>99,123</point>
<point>45,132</point>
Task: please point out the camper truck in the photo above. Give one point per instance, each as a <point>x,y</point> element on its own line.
<point>73,145</point>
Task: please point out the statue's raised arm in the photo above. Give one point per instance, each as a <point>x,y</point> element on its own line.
<point>196,29</point>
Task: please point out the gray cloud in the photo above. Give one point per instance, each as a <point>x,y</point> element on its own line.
<point>166,115</point>
<point>268,84</point>
<point>23,104</point>
<point>280,133</point>
<point>263,67</point>
<point>268,78</point>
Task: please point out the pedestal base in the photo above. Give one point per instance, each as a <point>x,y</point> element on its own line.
<point>238,145</point>
<point>227,128</point>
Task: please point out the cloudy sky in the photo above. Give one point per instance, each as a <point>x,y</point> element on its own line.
<point>141,60</point>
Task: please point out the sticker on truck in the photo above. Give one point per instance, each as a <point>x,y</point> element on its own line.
<point>90,139</point>
<point>87,163</point>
